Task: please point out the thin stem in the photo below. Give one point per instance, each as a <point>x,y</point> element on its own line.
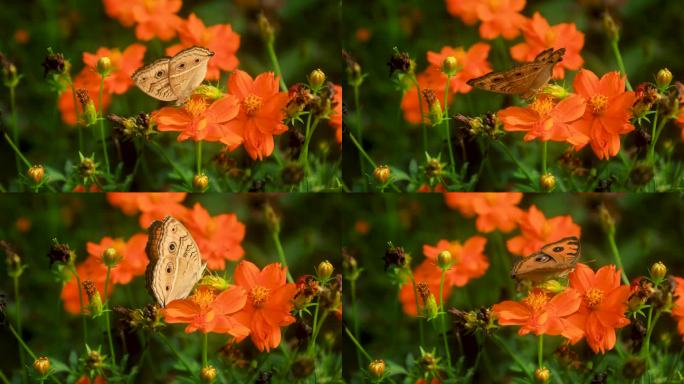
<point>276,66</point>
<point>205,341</point>
<point>358,345</point>
<point>422,113</point>
<point>540,352</point>
<point>106,311</point>
<point>372,163</point>
<point>198,152</point>
<point>80,301</point>
<point>420,321</point>
<point>4,378</point>
<point>521,167</point>
<point>15,125</point>
<point>616,255</point>
<point>652,320</point>
<point>359,130</point>
<point>544,154</point>
<point>78,118</point>
<point>28,350</point>
<point>621,64</point>
<point>281,254</point>
<point>355,311</point>
<point>102,130</point>
<point>441,316</point>
<point>16,150</point>
<point>17,301</point>
<point>304,155</point>
<point>446,125</point>
<point>318,324</point>
<point>515,357</point>
<point>155,146</point>
<point>178,355</point>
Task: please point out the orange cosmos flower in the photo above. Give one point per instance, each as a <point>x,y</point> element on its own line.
<point>465,9</point>
<point>156,18</point>
<point>199,119</point>
<point>123,65</point>
<point>541,313</point>
<point>493,210</point>
<point>547,120</point>
<point>678,309</point>
<point>86,380</point>
<point>261,113</point>
<point>269,304</point>
<point>538,231</point>
<point>91,269</point>
<point>608,111</point>
<point>426,273</point>
<point>336,115</point>
<point>132,252</point>
<point>468,259</point>
<point>153,205</point>
<point>219,38</point>
<point>604,302</point>
<point>431,78</point>
<point>680,116</point>
<point>500,17</point>
<point>121,10</point>
<point>207,311</point>
<point>472,63</point>
<point>539,35</point>
<point>88,80</point>
<point>426,188</point>
<point>218,237</point>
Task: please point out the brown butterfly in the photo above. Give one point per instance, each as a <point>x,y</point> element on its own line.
<point>523,80</point>
<point>553,260</point>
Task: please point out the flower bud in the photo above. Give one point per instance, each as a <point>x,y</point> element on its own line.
<point>434,107</point>
<point>610,27</point>
<point>663,78</point>
<point>208,374</point>
<point>272,219</point>
<point>542,374</point>
<point>431,307</point>
<point>216,282</point>
<point>377,368</point>
<point>444,259</point>
<point>450,66</point>
<point>87,168</point>
<point>381,174</point>
<point>104,66</point>
<point>265,29</point>
<point>36,173</point>
<point>94,299</point>
<point>209,91</point>
<point>548,182</point>
<point>42,365</point>
<point>88,107</point>
<point>324,270</point>
<point>658,271</point>
<point>553,286</point>
<point>316,78</point>
<point>556,91</point>
<point>111,257</point>
<point>607,221</point>
<point>400,62</point>
<point>200,181</point>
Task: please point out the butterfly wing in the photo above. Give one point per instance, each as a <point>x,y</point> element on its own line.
<point>553,260</point>
<point>190,267</point>
<point>566,250</point>
<point>153,79</point>
<point>187,70</point>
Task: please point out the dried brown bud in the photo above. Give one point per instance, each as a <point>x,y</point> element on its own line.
<point>394,256</point>
<point>54,62</point>
<point>399,61</point>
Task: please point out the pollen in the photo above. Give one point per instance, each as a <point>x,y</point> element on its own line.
<point>196,106</point>
<point>251,104</point>
<point>259,295</point>
<point>593,297</point>
<point>542,105</point>
<point>598,104</point>
<point>203,297</point>
<point>536,300</point>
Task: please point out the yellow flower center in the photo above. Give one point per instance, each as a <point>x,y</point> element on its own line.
<point>542,105</point>
<point>598,104</point>
<point>251,104</point>
<point>550,36</point>
<point>196,106</point>
<point>203,297</point>
<point>536,300</point>
<point>259,295</point>
<point>593,297</point>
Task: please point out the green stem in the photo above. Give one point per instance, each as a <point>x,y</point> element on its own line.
<point>357,344</point>
<point>17,300</point>
<point>420,321</point>
<point>621,64</point>
<point>355,311</point>
<point>515,357</point>
<point>276,66</point>
<point>78,119</point>
<point>275,235</point>
<point>520,166</point>
<point>102,129</point>
<point>4,378</point>
<point>106,311</point>
<point>304,155</point>
<point>15,125</point>
<point>540,352</point>
<point>16,150</point>
<point>446,125</point>
<point>28,350</point>
<point>422,113</point>
<point>544,153</point>
<point>372,163</point>
<point>441,316</point>
<point>650,325</point>
<point>155,146</point>
<point>359,130</point>
<point>178,355</point>
<point>80,301</point>
<point>616,255</point>
<point>318,324</point>
<point>205,341</point>
<point>198,148</point>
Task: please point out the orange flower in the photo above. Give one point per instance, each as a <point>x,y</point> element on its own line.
<point>426,188</point>
<point>431,78</point>
<point>86,380</point>
<point>200,120</point>
<point>88,80</point>
<point>121,10</point>
<point>468,259</point>
<point>493,210</point>
<point>206,311</point>
<point>472,64</point>
<point>542,313</point>
<point>218,237</point>
<point>608,111</point>
<point>547,120</point>
<point>428,273</point>
<point>218,38</point>
<point>90,269</point>
<point>91,188</point>
<point>539,35</point>
<point>154,206</point>
<point>156,18</point>
<point>336,115</point>
<point>538,231</point>
<point>132,252</point>
<point>123,65</point>
<point>678,309</point>
<point>500,17</point>
<point>680,116</point>
<point>604,302</point>
<point>269,304</point>
<point>261,113</point>
<point>465,9</point>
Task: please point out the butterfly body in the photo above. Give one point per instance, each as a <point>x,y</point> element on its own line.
<point>524,80</point>
<point>175,261</point>
<point>174,78</point>
<point>551,261</point>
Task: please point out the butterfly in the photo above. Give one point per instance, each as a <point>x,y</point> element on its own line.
<point>175,261</point>
<point>523,80</point>
<point>552,260</point>
<point>174,78</point>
